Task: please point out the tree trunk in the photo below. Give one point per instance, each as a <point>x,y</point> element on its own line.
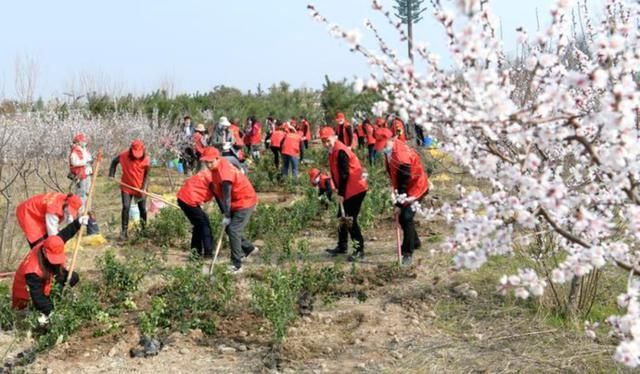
<point>410,30</point>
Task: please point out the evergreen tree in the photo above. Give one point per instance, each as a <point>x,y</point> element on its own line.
<point>410,13</point>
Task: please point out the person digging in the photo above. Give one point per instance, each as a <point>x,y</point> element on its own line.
<point>43,264</point>
<point>237,201</point>
<point>347,176</point>
<point>407,177</point>
<point>194,193</point>
<point>135,173</point>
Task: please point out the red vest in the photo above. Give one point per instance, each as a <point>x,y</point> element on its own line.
<point>242,193</point>
<point>356,184</point>
<point>197,142</point>
<point>31,213</point>
<point>398,129</point>
<point>276,138</point>
<point>323,178</point>
<point>291,145</point>
<point>20,295</point>
<point>133,171</point>
<point>371,137</point>
<point>78,171</point>
<point>235,130</point>
<point>360,130</point>
<point>306,130</point>
<point>402,154</point>
<point>256,134</point>
<point>196,190</point>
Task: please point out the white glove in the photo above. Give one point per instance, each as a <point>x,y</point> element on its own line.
<point>226,221</point>
<point>84,220</point>
<point>43,320</point>
<point>226,146</point>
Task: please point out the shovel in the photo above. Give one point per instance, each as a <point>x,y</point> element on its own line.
<point>398,239</point>
<point>215,256</point>
<point>344,220</point>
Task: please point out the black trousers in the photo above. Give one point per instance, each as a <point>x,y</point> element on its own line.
<point>201,236</point>
<point>410,239</point>
<point>361,142</point>
<point>419,136</point>
<point>351,209</point>
<point>126,205</point>
<point>276,156</point>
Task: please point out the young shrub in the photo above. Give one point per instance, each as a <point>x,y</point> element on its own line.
<point>7,317</point>
<point>121,278</point>
<point>191,300</point>
<point>169,228</point>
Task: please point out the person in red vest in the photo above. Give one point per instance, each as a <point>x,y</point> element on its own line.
<point>238,136</point>
<point>80,166</point>
<point>407,177</point>
<point>41,215</point>
<point>344,131</point>
<point>43,264</point>
<point>290,148</point>
<point>369,132</point>
<point>237,201</point>
<point>194,193</point>
<point>199,143</point>
<point>255,137</point>
<point>380,123</point>
<point>276,142</point>
<point>322,181</point>
<point>347,176</point>
<point>135,173</point>
<point>397,126</point>
<point>305,127</point>
<point>362,136</point>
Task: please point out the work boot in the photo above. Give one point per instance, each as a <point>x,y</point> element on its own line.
<point>356,256</point>
<point>407,260</point>
<point>232,269</point>
<point>249,257</point>
<point>336,251</point>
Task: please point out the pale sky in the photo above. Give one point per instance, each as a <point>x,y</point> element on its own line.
<point>135,45</point>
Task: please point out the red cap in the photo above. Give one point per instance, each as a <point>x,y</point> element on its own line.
<point>326,132</point>
<point>137,148</point>
<point>209,154</point>
<point>340,116</point>
<point>78,138</point>
<point>313,174</point>
<point>379,122</point>
<point>74,203</point>
<point>382,135</point>
<point>54,250</point>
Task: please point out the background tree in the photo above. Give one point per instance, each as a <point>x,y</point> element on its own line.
<point>410,13</point>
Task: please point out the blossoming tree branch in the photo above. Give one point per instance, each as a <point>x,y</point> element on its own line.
<point>555,138</point>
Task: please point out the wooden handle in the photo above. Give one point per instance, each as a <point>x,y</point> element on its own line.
<point>150,194</point>
<point>87,208</point>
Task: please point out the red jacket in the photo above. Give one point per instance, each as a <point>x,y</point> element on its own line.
<point>197,189</point>
<point>31,213</point>
<point>133,172</point>
<point>402,154</point>
<point>291,145</point>
<point>360,130</point>
<point>276,138</point>
<point>20,296</point>
<point>356,183</point>
<point>242,193</point>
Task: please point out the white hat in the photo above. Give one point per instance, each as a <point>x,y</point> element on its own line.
<point>224,122</point>
<point>200,127</point>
